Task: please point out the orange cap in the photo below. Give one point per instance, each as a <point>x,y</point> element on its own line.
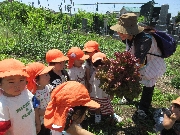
<point>98,56</point>
<point>177,101</point>
<point>65,96</point>
<point>34,69</point>
<point>55,55</point>
<point>10,67</point>
<point>75,53</point>
<point>91,46</point>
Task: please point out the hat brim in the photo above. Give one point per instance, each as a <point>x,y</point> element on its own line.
<point>84,57</point>
<point>60,59</point>
<point>92,104</point>
<point>90,50</point>
<point>127,30</point>
<point>46,70</point>
<point>98,58</point>
<point>12,73</point>
<point>176,102</point>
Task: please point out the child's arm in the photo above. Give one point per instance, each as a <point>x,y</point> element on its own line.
<point>72,75</point>
<point>77,130</point>
<point>41,112</point>
<point>37,120</point>
<point>36,103</point>
<point>87,76</point>
<point>5,122</point>
<point>90,88</point>
<point>168,122</point>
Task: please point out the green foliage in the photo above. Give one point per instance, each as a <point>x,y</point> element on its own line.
<point>141,19</point>
<point>27,33</point>
<point>176,82</point>
<point>163,99</point>
<point>172,67</point>
<point>30,32</point>
<point>177,20</point>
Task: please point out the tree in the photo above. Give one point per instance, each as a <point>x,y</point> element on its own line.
<point>178,18</point>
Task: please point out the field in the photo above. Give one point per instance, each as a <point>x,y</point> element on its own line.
<point>27,33</point>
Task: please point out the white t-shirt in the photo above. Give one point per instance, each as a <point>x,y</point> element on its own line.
<point>59,133</point>
<point>77,74</point>
<point>96,91</point>
<point>19,110</point>
<point>44,97</point>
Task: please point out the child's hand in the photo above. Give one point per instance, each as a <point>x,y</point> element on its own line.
<point>38,128</point>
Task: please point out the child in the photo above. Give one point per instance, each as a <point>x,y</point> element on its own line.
<point>171,121</point>
<point>38,81</point>
<point>76,68</point>
<point>91,47</point>
<point>67,109</point>
<point>58,74</point>
<point>17,115</point>
<point>98,94</point>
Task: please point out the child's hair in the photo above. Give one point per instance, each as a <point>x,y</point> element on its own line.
<point>98,63</point>
<point>73,111</point>
<point>0,80</point>
<point>52,63</point>
<point>37,78</point>
<point>176,105</point>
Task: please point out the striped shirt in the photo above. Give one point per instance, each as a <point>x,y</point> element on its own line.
<point>155,66</point>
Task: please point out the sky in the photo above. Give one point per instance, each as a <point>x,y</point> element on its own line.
<point>174,5</point>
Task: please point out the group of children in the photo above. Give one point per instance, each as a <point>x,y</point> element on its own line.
<point>44,100</point>
<point>28,92</point>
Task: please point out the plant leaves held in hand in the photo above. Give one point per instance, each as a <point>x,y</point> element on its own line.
<point>119,76</point>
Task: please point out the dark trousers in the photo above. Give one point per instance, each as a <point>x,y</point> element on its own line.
<point>146,98</point>
<point>44,130</point>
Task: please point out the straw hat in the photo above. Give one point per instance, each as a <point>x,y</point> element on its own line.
<point>127,24</point>
<point>177,101</point>
<point>65,96</point>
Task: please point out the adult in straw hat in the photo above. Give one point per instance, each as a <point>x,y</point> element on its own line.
<point>139,43</point>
